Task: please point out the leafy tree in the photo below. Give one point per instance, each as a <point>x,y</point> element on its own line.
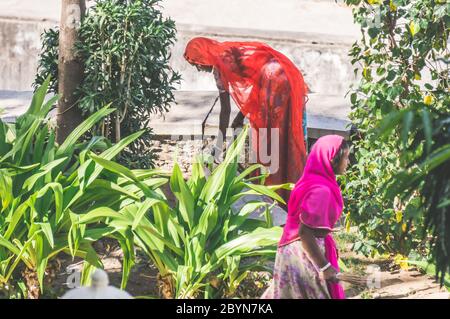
<point>125,48</point>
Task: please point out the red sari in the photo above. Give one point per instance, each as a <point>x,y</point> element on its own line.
<point>270,91</point>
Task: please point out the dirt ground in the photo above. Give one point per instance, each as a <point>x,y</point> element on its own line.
<point>395,283</point>
<point>389,281</point>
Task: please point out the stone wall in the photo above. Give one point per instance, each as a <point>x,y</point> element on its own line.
<point>323,59</point>
<point>20,46</point>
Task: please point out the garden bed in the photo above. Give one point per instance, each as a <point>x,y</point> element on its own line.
<point>396,283</point>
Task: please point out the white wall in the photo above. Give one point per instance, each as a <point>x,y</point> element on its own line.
<point>323,16</point>
<point>316,35</point>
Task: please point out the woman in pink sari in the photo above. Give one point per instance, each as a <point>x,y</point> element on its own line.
<point>306,264</point>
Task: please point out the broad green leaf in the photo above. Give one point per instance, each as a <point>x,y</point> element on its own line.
<point>37,101</point>
<point>123,171</point>
<point>261,237</point>
<point>143,209</point>
<point>182,192</point>
<point>6,191</point>
<point>48,232</point>
<point>264,190</point>
<point>99,214</point>
<point>29,183</point>
<point>68,145</point>
<point>428,129</point>
<point>407,123</point>
<point>15,218</point>
<point>87,179</point>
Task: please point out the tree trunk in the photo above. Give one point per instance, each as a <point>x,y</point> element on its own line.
<point>70,68</point>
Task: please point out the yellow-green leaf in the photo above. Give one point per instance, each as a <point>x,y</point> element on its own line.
<point>414,28</point>
<point>398,216</point>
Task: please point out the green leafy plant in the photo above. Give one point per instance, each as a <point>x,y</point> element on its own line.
<point>384,226</point>
<point>125,47</point>
<point>59,199</point>
<point>426,172</point>
<point>48,60</point>
<point>401,109</point>
<point>202,246</point>
<point>43,189</point>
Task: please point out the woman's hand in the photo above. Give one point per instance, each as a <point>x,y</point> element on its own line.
<point>330,274</point>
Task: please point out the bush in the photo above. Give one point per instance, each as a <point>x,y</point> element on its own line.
<point>401,108</point>
<point>384,225</point>
<point>202,246</point>
<point>43,188</point>
<point>125,49</point>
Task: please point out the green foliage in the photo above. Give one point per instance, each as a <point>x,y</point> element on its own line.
<point>43,186</point>
<point>401,108</point>
<point>202,245</point>
<point>58,199</point>
<point>385,226</point>
<point>427,173</point>
<point>48,60</point>
<point>125,49</point>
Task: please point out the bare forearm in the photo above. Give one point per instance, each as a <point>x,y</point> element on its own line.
<point>310,245</point>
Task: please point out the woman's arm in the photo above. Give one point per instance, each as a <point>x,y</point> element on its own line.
<point>308,239</point>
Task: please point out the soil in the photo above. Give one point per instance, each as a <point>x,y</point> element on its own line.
<point>390,282</point>
<point>410,283</point>
<point>395,283</point>
<point>141,283</point>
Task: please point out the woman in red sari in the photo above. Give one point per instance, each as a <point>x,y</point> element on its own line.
<point>270,91</point>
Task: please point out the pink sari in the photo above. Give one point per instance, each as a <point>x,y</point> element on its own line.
<point>316,201</point>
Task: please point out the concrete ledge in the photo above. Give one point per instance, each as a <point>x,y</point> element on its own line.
<point>13,104</point>
<point>25,19</point>
<point>267,35</point>
<point>326,114</point>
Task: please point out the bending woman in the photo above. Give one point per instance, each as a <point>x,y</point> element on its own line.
<point>307,259</point>
<point>269,90</point>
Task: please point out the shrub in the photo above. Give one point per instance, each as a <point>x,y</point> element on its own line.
<point>125,47</point>
<point>43,189</point>
<point>401,108</point>
<point>202,246</point>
